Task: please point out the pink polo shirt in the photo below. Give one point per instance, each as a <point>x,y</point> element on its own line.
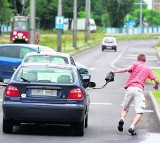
<point>140,72</point>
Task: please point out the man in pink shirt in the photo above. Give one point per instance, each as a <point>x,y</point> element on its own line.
<point>139,72</point>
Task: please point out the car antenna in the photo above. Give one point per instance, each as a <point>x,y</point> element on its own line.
<point>38,50</point>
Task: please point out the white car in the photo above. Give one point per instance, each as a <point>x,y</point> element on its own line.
<point>109,43</point>
<point>57,58</point>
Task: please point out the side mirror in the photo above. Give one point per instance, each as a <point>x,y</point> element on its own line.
<point>6,81</point>
<point>110,77</point>
<point>89,84</point>
<point>14,68</point>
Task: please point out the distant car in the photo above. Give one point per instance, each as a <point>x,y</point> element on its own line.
<point>57,57</point>
<point>43,93</point>
<point>11,56</point>
<point>109,43</point>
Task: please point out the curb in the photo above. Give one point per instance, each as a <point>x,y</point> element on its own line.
<point>156,106</point>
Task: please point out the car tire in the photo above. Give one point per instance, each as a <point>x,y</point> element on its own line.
<point>86,121</point>
<point>79,128</point>
<point>102,49</point>
<point>115,49</point>
<point>7,126</point>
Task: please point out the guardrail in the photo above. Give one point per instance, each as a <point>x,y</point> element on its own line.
<point>133,30</point>
<point>5,28</point>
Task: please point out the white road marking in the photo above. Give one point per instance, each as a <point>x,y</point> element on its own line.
<point>148,59</point>
<point>148,111</point>
<point>92,68</point>
<point>119,56</point>
<point>101,103</point>
<point>146,56</point>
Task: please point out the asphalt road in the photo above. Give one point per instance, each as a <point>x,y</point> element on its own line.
<point>105,105</point>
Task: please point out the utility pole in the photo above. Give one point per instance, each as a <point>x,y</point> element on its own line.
<point>23,7</point>
<point>59,33</point>
<point>140,20</point>
<point>32,19</point>
<point>75,24</point>
<point>87,21</point>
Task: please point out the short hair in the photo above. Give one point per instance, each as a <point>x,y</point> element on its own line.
<point>141,57</point>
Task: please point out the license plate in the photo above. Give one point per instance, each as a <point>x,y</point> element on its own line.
<point>85,77</point>
<point>20,37</point>
<point>44,92</point>
<point>109,47</point>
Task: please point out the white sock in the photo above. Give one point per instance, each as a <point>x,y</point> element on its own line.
<point>122,118</point>
<point>132,126</point>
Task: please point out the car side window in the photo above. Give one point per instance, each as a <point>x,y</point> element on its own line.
<point>11,52</point>
<point>24,51</point>
<point>72,61</point>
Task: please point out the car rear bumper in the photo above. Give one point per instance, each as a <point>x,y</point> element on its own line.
<point>109,47</point>
<point>50,113</point>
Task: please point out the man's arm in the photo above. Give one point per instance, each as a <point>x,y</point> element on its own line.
<point>156,83</point>
<point>127,69</point>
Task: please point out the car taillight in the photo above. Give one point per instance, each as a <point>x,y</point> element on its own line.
<point>12,91</point>
<point>75,93</point>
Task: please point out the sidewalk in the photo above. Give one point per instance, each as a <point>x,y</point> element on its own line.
<point>155,103</point>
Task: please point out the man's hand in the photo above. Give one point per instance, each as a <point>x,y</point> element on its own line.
<point>155,87</point>
<point>156,84</point>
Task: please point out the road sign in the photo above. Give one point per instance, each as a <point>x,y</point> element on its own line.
<point>59,22</point>
<point>130,23</point>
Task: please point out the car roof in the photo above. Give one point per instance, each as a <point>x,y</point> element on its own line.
<point>109,38</point>
<point>66,66</point>
<point>32,46</point>
<point>48,53</point>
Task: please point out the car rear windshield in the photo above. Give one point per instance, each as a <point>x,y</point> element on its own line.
<point>46,59</point>
<point>44,75</point>
<point>109,40</point>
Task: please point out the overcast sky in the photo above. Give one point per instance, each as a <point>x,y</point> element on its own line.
<point>149,2</point>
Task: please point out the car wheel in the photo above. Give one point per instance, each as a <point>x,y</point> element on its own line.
<point>115,49</point>
<point>79,128</point>
<point>7,126</point>
<point>102,49</point>
<point>86,121</point>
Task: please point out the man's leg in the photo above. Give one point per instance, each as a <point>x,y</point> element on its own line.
<point>139,108</point>
<point>136,119</point>
<point>121,122</point>
<point>124,113</point>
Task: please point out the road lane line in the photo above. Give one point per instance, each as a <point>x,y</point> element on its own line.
<point>101,103</point>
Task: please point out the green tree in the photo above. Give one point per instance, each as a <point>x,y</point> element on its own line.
<point>151,16</point>
<point>5,12</point>
<point>46,10</point>
<point>117,10</point>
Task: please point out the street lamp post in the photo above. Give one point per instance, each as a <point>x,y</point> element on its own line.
<point>87,21</point>
<point>140,20</point>
<point>32,24</point>
<point>59,33</point>
<point>75,24</point>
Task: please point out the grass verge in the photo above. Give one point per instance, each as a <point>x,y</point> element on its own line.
<point>157,93</point>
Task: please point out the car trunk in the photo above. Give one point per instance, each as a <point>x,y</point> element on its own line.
<point>44,93</point>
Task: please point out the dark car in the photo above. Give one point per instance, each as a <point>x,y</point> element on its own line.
<point>11,56</point>
<point>46,94</point>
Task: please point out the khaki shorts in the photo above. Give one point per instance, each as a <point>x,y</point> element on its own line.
<point>136,94</point>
